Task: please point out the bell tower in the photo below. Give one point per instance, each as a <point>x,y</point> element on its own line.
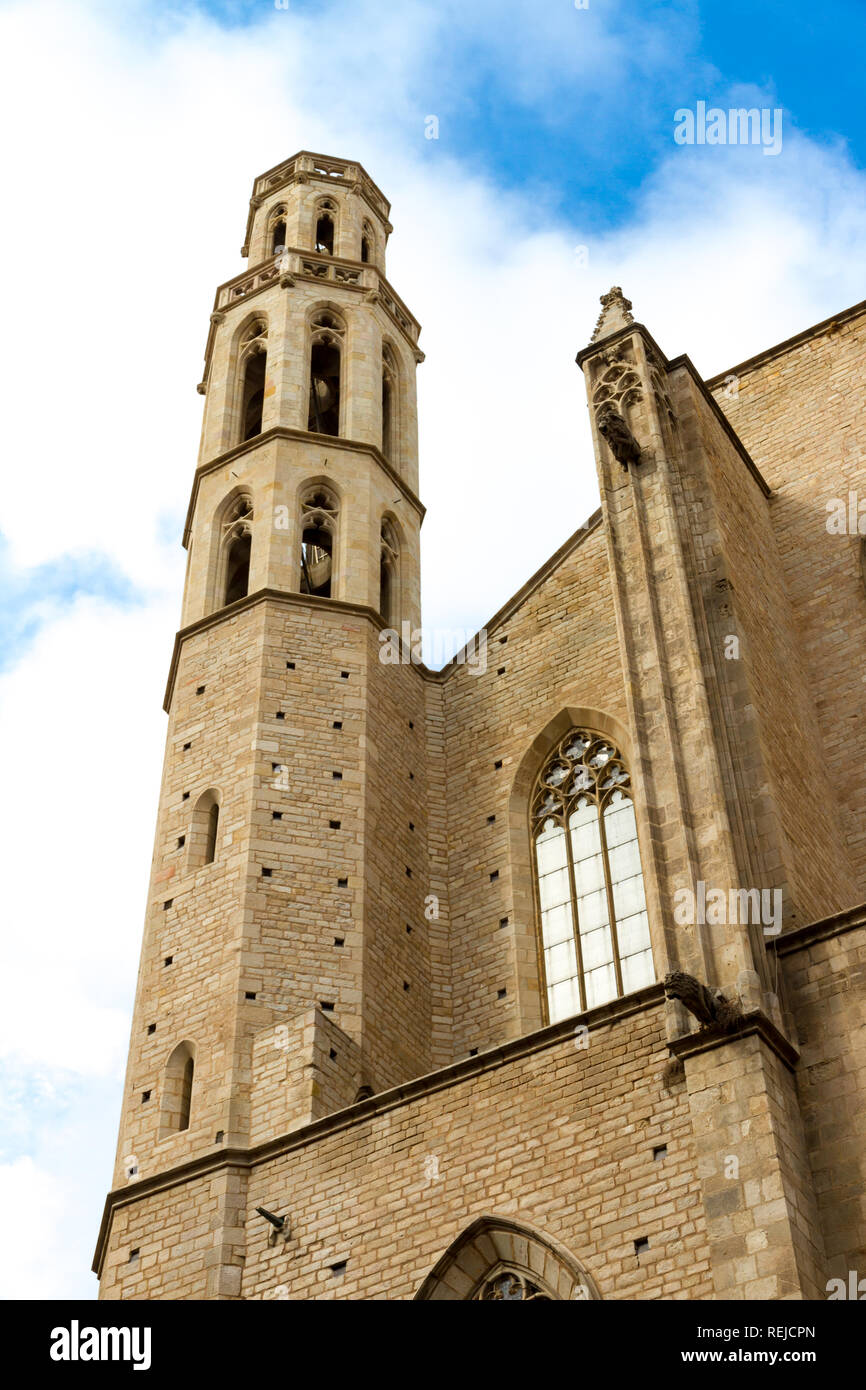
<point>280,977</point>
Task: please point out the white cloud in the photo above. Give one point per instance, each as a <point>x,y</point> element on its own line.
<point>136,141</point>
<point>39,1262</point>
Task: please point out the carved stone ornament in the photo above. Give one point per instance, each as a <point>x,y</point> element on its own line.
<point>615,314</point>
<point>709,1007</point>
<point>617,435</point>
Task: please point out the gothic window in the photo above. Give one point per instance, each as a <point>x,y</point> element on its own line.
<point>389,572</point>
<point>326,216</point>
<point>327,335</point>
<point>177,1090</point>
<point>236,541</point>
<point>253,364</point>
<point>511,1286</point>
<point>278,232</point>
<point>500,1260</point>
<point>204,830</point>
<point>389,401</point>
<point>319,512</point>
<point>595,942</point>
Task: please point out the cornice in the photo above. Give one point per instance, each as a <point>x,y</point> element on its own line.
<point>801,938</point>
<point>755,1024</point>
<point>288,597</point>
<point>616,1011</point>
<point>508,609</point>
<point>671,365</point>
<point>378,293</point>
<point>331,441</point>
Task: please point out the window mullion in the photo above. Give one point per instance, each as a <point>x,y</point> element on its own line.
<point>575,924</point>
<point>614,940</point>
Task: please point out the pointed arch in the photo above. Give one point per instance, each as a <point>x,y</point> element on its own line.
<point>276,242</point>
<point>390,557</point>
<point>231,549</point>
<point>368,243</point>
<point>327,342</point>
<point>250,355</point>
<point>318,527</point>
<point>501,1259</point>
<point>325,217</point>
<point>177,1090</point>
<point>560,719</point>
<point>591,911</point>
<point>390,404</point>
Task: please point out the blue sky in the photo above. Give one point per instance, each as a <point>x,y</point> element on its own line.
<point>128,183</point>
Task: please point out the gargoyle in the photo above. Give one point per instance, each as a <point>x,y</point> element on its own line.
<point>710,1007</point>
<point>620,440</point>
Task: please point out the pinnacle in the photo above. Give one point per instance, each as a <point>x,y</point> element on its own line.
<point>615,314</point>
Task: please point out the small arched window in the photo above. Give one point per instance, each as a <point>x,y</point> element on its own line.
<point>253,366</point>
<point>326,218</point>
<point>278,232</point>
<point>389,573</point>
<point>236,543</point>
<point>595,941</point>
<point>367,243</point>
<point>319,513</point>
<point>326,343</point>
<point>389,402</point>
<point>204,830</point>
<point>177,1090</point>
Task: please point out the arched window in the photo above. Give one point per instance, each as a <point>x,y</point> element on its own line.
<point>326,217</point>
<point>389,402</point>
<point>367,243</point>
<point>204,830</point>
<point>595,940</point>
<point>389,572</point>
<point>253,365</point>
<point>327,334</point>
<point>319,512</point>
<point>278,232</point>
<point>236,550</point>
<point>500,1260</point>
<point>177,1090</point>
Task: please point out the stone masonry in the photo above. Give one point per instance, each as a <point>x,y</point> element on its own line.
<point>341,1013</point>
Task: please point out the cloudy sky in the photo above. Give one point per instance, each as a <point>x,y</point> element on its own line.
<point>132,133</point>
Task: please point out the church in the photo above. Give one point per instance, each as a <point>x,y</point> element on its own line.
<point>541,976</point>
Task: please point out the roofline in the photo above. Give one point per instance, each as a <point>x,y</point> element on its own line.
<point>337,158</point>
<point>779,349</point>
<point>517,599</point>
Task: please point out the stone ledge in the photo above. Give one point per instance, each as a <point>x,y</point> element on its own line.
<point>802,937</point>
<point>242,1160</point>
<point>750,1025</point>
<point>329,441</point>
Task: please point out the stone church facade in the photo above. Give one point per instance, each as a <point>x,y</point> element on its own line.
<point>541,977</point>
